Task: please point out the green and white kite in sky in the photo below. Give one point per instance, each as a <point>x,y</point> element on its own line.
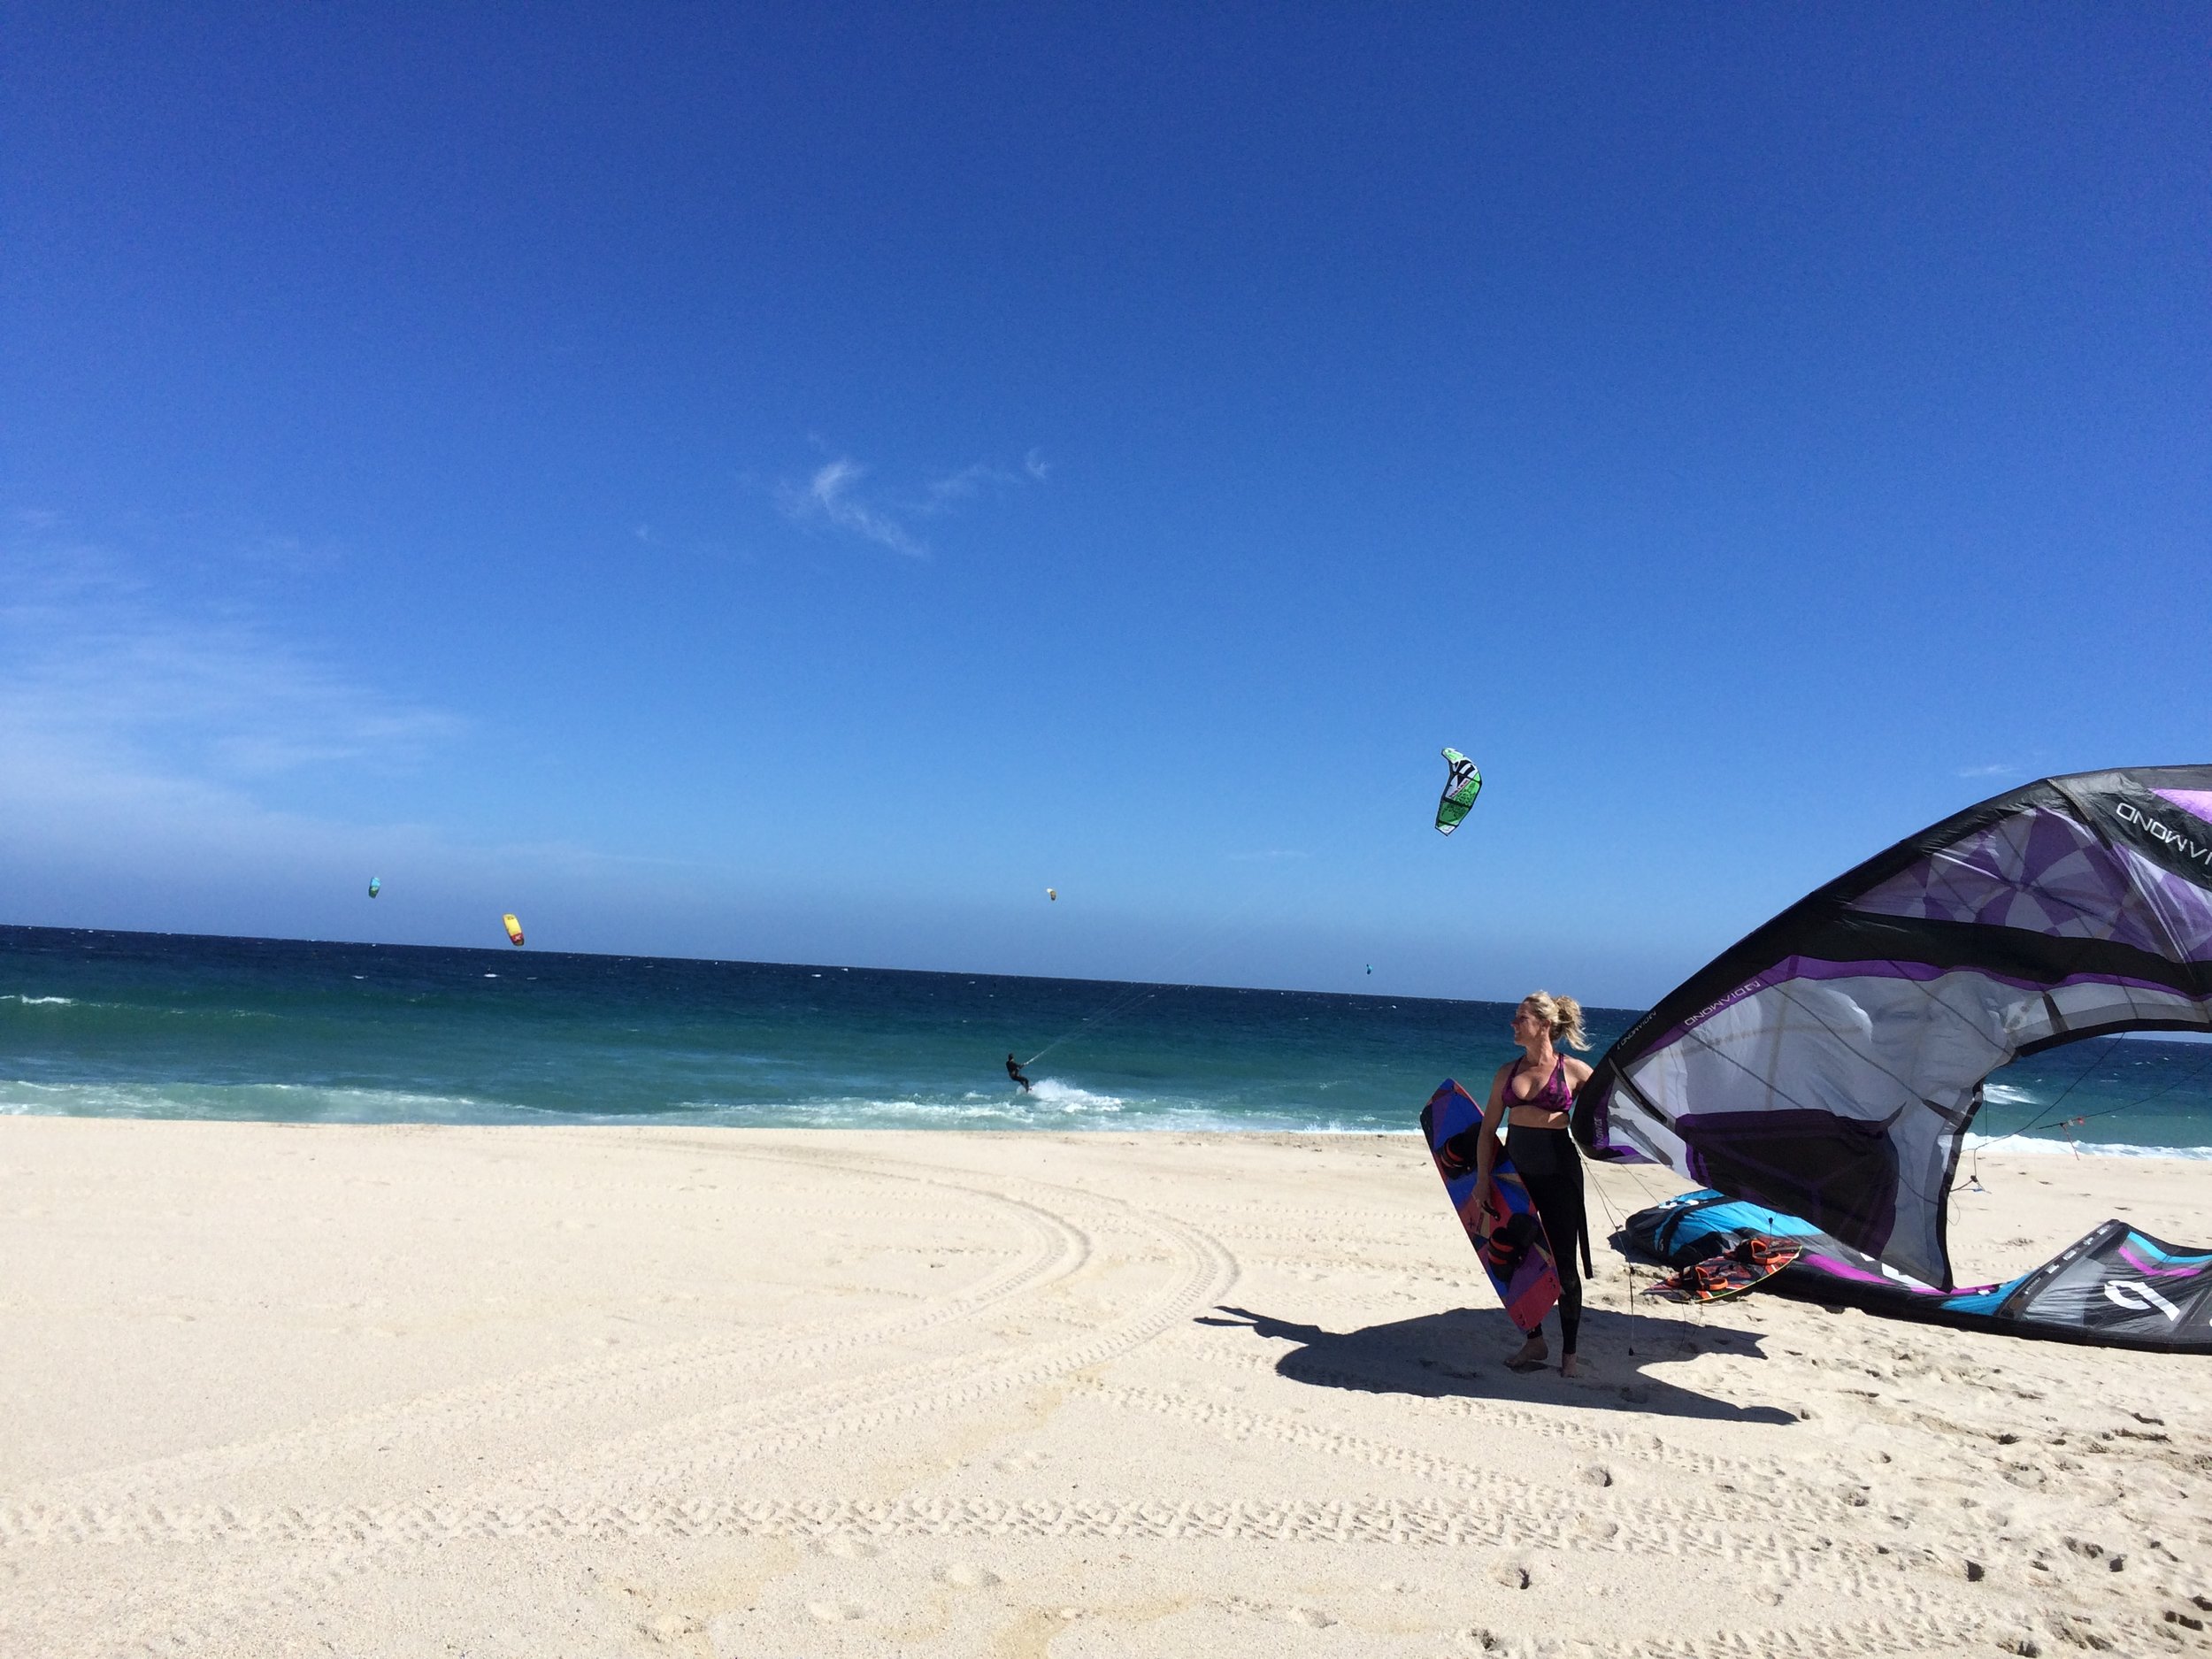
<point>1460,790</point>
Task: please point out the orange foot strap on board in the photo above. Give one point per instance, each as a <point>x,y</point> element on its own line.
<point>1717,1277</point>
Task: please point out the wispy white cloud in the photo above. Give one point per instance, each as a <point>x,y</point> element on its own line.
<point>1996,769</point>
<point>177,752</point>
<point>942,494</point>
<point>828,498</point>
<point>227,697</point>
<point>831,496</point>
<point>111,696</point>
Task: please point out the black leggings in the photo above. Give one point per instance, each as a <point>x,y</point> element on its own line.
<point>1551,1169</point>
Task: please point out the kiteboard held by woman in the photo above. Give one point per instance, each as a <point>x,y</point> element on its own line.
<point>1533,1096</point>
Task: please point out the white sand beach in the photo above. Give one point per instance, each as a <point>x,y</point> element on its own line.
<point>277,1390</point>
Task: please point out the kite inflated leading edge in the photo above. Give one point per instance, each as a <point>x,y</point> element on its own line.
<point>514,927</point>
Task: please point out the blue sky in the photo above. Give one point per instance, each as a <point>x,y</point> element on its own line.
<point>794,484</point>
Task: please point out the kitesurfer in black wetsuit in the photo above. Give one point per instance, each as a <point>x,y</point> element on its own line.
<point>1532,1096</point>
<point>1014,1071</point>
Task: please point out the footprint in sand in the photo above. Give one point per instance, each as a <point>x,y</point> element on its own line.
<point>1312,1618</point>
<point>848,1548</point>
<point>965,1575</point>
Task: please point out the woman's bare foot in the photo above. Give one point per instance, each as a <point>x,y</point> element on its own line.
<point>1569,1366</point>
<point>1532,1355</point>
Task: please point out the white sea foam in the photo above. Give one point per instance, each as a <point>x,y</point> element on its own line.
<point>2005,1094</point>
<point>273,1103</point>
<point>1049,1091</point>
<point>971,1113</point>
<point>1062,1106</point>
<point>39,1001</point>
<point>1053,1105</point>
<point>1068,1110</point>
<point>2044,1145</point>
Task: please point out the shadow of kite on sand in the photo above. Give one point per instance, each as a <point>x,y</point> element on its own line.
<point>1461,1353</point>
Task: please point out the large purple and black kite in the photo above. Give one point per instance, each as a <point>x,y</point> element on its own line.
<point>1828,1066</point>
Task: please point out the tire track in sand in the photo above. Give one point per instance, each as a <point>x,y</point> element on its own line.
<point>366,1538</point>
<point>1049,1251</point>
<point>1819,1549</point>
<point>707,1445</point>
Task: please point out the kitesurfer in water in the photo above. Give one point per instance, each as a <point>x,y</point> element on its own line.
<point>1532,1096</point>
<point>1014,1071</point>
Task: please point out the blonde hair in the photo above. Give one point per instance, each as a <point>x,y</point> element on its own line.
<point>1562,1014</point>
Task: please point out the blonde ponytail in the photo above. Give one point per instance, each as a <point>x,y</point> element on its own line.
<point>1562,1014</point>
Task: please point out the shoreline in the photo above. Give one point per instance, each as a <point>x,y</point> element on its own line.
<point>410,1389</point>
<point>1099,1122</point>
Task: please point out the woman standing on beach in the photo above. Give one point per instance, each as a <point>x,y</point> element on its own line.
<point>1532,1095</point>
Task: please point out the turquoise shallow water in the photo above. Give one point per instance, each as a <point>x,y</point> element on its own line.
<point>137,1024</point>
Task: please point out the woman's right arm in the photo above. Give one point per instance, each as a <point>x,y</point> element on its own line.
<point>1492,1114</point>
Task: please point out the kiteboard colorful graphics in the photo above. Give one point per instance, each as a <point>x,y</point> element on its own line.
<point>1461,786</point>
<point>514,927</point>
<point>1742,1267</point>
<point>1500,1222</point>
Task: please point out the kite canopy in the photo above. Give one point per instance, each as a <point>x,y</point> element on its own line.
<point>1828,1066</point>
<point>1461,787</point>
<point>514,928</point>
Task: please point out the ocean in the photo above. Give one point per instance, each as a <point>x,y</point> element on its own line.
<point>160,1026</point>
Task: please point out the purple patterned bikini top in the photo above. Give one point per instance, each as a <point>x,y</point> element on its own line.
<point>1555,1096</point>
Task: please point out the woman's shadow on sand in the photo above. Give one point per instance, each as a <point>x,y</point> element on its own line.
<point>1461,1353</point>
